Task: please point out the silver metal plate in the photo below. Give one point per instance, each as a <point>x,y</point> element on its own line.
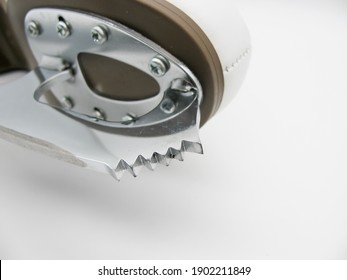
<point>162,132</point>
<point>39,127</point>
<point>63,35</point>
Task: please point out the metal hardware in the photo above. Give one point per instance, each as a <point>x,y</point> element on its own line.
<point>183,87</point>
<point>52,78</point>
<point>99,35</point>
<point>111,136</point>
<point>123,45</point>
<point>99,115</point>
<point>67,103</point>
<point>159,66</point>
<point>114,151</point>
<point>63,29</point>
<point>129,119</point>
<point>168,106</point>
<point>33,29</point>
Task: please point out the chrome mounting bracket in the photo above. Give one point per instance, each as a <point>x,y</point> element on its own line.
<point>77,125</point>
<point>57,38</point>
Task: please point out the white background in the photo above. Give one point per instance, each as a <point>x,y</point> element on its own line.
<point>272,184</point>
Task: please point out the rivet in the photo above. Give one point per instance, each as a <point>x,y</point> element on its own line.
<point>99,115</point>
<point>99,35</point>
<point>159,66</point>
<point>168,106</point>
<point>67,103</point>
<point>129,119</point>
<point>34,29</point>
<point>63,29</point>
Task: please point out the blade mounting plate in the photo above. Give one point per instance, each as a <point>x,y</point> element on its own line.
<point>89,34</point>
<point>109,145</point>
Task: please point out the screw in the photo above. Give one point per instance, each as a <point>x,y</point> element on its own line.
<point>129,119</point>
<point>159,66</point>
<point>63,29</point>
<point>99,115</point>
<point>67,103</point>
<point>168,106</point>
<point>34,29</point>
<point>99,35</point>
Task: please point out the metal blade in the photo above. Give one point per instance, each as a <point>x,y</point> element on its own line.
<point>112,150</point>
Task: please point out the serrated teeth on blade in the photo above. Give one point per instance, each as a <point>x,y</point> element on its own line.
<point>174,154</point>
<point>161,159</point>
<point>151,164</point>
<point>192,147</point>
<point>140,163</point>
<point>122,167</point>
